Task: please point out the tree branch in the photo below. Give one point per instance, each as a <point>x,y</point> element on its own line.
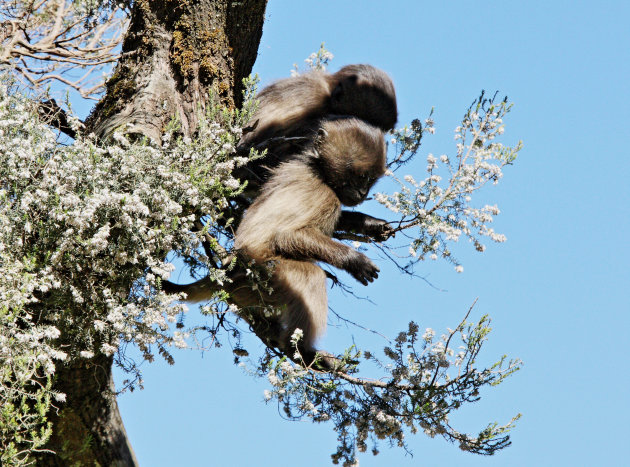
<point>56,117</point>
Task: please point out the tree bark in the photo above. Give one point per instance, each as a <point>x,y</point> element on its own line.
<point>176,56</point>
<point>88,429</point>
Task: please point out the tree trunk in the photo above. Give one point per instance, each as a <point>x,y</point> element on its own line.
<point>176,55</point>
<point>88,430</point>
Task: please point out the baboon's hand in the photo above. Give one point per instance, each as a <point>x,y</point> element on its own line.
<point>379,229</point>
<point>362,269</point>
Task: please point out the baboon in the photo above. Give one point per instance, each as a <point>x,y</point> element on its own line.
<point>290,109</point>
<point>291,222</point>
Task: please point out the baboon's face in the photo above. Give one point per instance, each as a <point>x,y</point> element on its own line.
<point>352,156</point>
<point>356,190</point>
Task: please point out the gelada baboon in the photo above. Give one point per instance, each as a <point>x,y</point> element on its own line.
<point>290,109</point>
<point>290,224</point>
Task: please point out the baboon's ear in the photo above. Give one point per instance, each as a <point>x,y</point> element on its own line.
<point>322,134</point>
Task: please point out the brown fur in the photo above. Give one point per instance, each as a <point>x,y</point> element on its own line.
<point>362,91</point>
<point>290,224</point>
<point>289,111</point>
<point>292,221</point>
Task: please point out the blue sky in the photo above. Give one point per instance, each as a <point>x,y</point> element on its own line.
<point>557,291</point>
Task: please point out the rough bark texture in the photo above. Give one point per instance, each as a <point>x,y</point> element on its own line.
<point>176,54</point>
<point>88,429</point>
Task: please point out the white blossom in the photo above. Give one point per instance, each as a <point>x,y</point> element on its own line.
<point>99,213</point>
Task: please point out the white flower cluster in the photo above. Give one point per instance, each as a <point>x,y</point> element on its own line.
<point>426,380</point>
<point>438,207</point>
<point>319,60</point>
<point>283,377</point>
<point>316,61</point>
<point>84,233</point>
<point>385,425</point>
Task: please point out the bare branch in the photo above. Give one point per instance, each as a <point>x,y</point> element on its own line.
<point>51,40</point>
<point>56,117</point>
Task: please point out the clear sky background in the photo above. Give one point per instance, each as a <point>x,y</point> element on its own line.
<point>557,291</point>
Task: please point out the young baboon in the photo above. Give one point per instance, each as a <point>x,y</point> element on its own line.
<point>299,207</point>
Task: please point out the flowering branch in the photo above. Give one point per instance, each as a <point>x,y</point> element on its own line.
<point>426,382</point>
<point>316,61</point>
<point>433,212</point>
